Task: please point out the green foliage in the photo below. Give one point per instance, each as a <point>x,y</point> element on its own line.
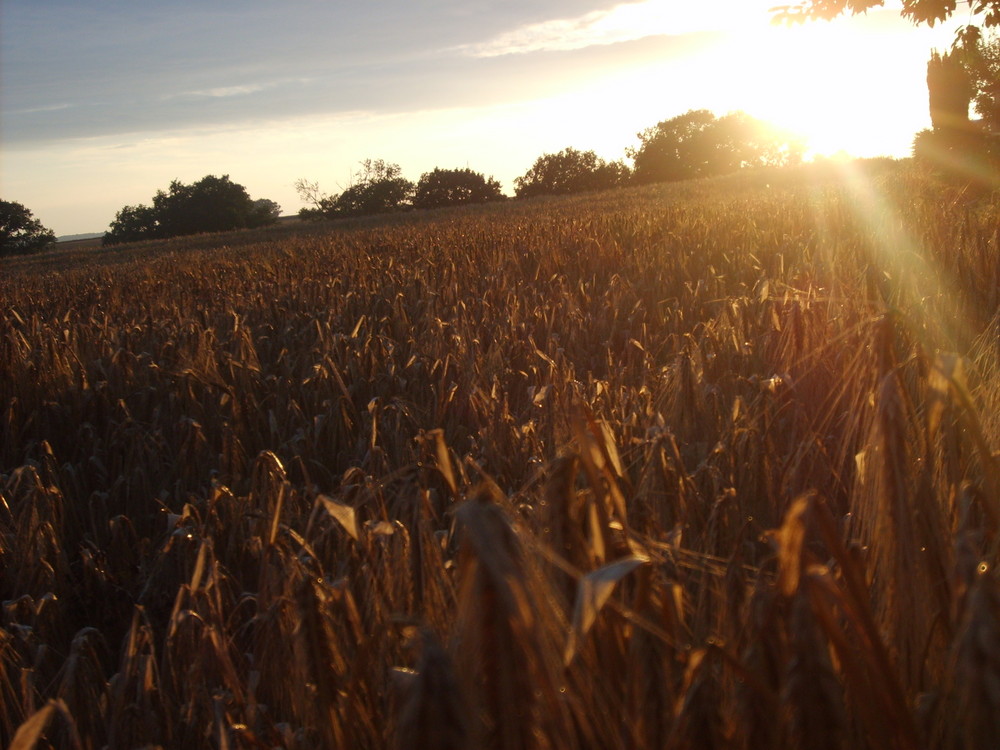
<point>213,204</point>
<point>570,171</point>
<point>930,12</point>
<point>379,188</point>
<point>322,205</point>
<point>674,149</point>
<point>980,60</point>
<point>265,211</point>
<point>697,144</point>
<point>19,233</point>
<point>454,187</point>
<point>131,224</point>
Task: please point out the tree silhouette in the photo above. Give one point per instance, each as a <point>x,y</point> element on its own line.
<point>20,233</point>
<point>378,188</point>
<point>213,204</point>
<point>265,211</point>
<point>674,149</point>
<point>322,205</point>
<point>697,144</point>
<point>454,187</point>
<point>745,141</point>
<point>949,89</point>
<point>132,224</point>
<point>960,148</point>
<point>570,171</point>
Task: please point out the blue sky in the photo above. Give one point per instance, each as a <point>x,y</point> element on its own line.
<point>103,103</point>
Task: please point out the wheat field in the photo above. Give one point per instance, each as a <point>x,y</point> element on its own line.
<point>704,465</point>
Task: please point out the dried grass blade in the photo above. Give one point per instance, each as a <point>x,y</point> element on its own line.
<point>593,590</point>
<point>342,514</point>
<point>33,729</point>
<point>444,460</point>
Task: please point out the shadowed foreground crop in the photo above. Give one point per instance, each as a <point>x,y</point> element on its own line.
<point>699,466</point>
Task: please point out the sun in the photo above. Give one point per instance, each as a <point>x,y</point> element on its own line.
<point>840,85</point>
<point>855,85</point>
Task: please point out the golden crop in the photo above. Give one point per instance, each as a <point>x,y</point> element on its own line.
<point>695,466</point>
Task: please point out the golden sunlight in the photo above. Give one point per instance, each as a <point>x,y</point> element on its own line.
<point>841,89</point>
<point>853,86</point>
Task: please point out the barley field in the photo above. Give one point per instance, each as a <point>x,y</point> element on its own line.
<point>704,465</point>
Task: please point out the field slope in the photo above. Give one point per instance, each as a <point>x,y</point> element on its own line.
<point>707,465</point>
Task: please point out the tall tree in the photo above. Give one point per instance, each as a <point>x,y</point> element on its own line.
<point>980,57</point>
<point>697,144</point>
<point>949,90</point>
<point>570,171</point>
<point>746,141</point>
<point>674,149</point>
<point>19,232</point>
<point>213,204</point>
<point>454,187</point>
<point>265,211</point>
<point>957,146</point>
<point>132,224</point>
<point>379,187</point>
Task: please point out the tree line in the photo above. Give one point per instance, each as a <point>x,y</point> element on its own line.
<point>694,144</point>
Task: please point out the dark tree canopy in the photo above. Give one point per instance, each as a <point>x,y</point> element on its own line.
<point>918,11</point>
<point>570,171</point>
<point>265,210</point>
<point>698,144</point>
<point>20,233</point>
<point>213,204</point>
<point>455,187</point>
<point>133,223</point>
<point>378,188</point>
<point>675,149</point>
<point>949,90</point>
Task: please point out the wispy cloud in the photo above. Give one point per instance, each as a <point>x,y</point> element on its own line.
<point>227,91</point>
<point>224,92</point>
<point>45,108</point>
<point>625,22</point>
<point>622,23</point>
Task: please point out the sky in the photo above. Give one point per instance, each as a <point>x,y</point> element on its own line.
<point>105,102</point>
